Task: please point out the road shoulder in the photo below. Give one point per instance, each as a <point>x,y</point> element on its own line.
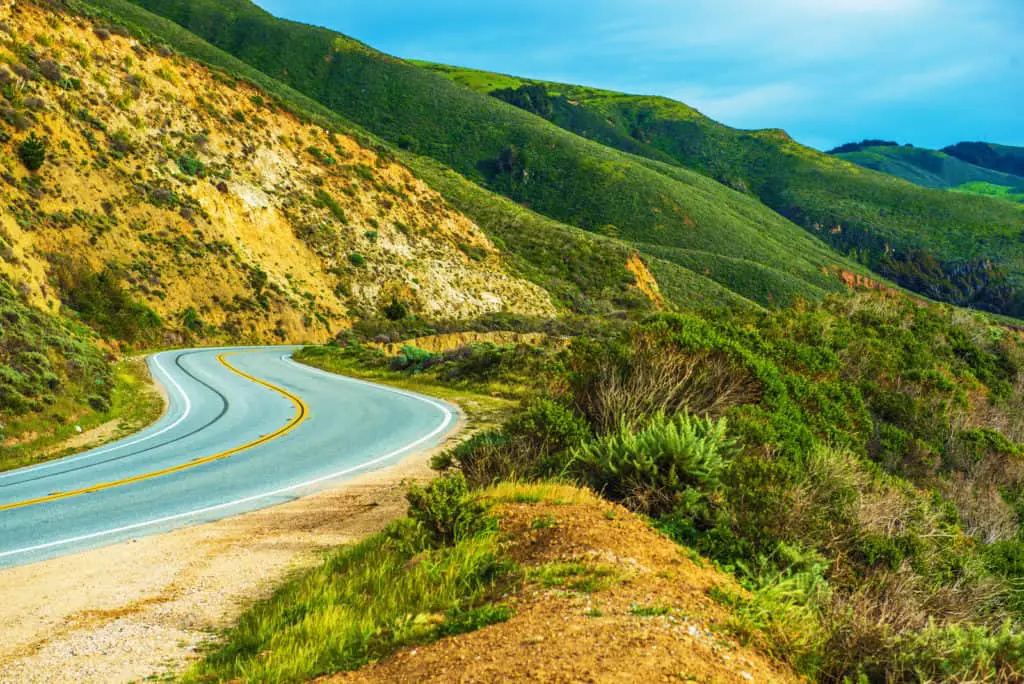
<point>143,607</point>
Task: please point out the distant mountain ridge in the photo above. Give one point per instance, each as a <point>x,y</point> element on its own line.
<point>976,168</point>
<point>958,248</point>
<point>942,169</point>
<point>1005,158</point>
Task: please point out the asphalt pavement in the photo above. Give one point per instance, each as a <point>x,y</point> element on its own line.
<point>245,428</point>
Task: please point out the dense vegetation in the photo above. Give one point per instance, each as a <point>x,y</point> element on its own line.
<point>928,168</point>
<point>48,367</point>
<point>855,463</point>
<point>868,216</point>
<point>990,156</point>
<point>508,151</point>
<point>438,573</point>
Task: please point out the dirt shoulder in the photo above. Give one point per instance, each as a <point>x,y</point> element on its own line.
<point>131,610</point>
<point>606,599</point>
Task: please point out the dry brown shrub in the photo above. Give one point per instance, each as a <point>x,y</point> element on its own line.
<point>984,513</point>
<point>867,626</point>
<point>660,378</point>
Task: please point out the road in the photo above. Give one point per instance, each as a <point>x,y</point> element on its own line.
<point>245,428</point>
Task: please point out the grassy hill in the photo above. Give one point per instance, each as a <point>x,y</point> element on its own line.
<point>583,272</point>
<point>508,151</point>
<point>229,220</point>
<point>1003,158</point>
<point>930,168</point>
<point>936,243</point>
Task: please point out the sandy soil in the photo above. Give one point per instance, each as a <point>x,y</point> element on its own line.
<point>140,608</point>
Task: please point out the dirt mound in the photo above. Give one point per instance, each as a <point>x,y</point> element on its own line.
<point>606,599</point>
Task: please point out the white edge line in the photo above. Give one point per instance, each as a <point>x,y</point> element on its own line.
<point>118,445</point>
<point>448,418</point>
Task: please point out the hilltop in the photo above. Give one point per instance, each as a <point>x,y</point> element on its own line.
<point>198,197</point>
<point>1003,158</point>
<point>957,248</point>
<point>937,169</point>
<point>666,212</point>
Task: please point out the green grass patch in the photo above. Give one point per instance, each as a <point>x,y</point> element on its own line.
<point>365,602</point>
<point>577,576</point>
<point>134,404</point>
<point>650,611</point>
<point>1013,194</point>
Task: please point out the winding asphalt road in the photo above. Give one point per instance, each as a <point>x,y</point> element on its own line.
<point>245,428</point>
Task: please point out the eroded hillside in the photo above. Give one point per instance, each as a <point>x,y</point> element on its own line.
<point>168,186</point>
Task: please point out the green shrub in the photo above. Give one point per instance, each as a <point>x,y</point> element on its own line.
<point>191,319</point>
<point>32,152</point>
<point>101,301</point>
<point>533,445</point>
<point>446,510</point>
<point>653,469</point>
<point>783,615</point>
<point>323,199</point>
<point>395,310</point>
<point>414,360</point>
<point>191,166</point>
<point>356,259</point>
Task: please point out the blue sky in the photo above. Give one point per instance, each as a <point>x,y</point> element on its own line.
<point>930,72</point>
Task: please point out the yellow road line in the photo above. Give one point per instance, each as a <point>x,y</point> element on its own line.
<point>302,412</point>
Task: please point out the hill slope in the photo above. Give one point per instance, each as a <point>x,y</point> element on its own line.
<point>168,185</point>
<point>928,168</point>
<point>584,273</point>
<point>1003,158</point>
<point>509,151</point>
<point>957,248</point>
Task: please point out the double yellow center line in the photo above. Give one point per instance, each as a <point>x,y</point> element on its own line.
<point>302,412</point>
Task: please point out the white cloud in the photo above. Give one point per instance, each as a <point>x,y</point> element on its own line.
<point>740,104</point>
<point>856,7</point>
<point>914,84</point>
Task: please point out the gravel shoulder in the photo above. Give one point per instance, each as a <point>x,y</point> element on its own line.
<point>142,608</point>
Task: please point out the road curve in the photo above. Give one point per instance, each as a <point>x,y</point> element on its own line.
<point>245,428</point>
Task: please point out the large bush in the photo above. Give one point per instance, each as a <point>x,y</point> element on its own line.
<point>32,152</point>
<point>534,444</point>
<point>654,469</point>
<point>446,511</point>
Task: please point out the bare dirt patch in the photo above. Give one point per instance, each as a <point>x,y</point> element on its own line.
<point>131,610</point>
<point>627,605</point>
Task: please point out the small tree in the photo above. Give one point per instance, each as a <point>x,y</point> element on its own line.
<point>396,310</point>
<point>32,152</point>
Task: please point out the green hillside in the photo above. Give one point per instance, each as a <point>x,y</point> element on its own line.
<point>990,156</point>
<point>51,372</point>
<point>928,168</point>
<point>953,247</point>
<point>509,151</point>
<point>586,273</point>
